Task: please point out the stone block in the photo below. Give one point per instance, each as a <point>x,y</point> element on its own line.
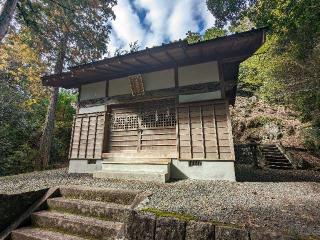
<point>140,226</point>
<point>263,235</point>
<point>170,229</point>
<point>199,231</point>
<point>230,233</point>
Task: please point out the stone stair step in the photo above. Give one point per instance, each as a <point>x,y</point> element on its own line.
<point>125,197</point>
<point>127,175</point>
<point>77,225</point>
<point>30,233</point>
<point>273,154</point>
<point>270,149</point>
<point>275,157</point>
<point>103,210</point>
<point>278,164</point>
<point>277,160</point>
<point>279,167</point>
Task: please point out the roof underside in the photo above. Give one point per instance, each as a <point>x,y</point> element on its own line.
<point>229,50</point>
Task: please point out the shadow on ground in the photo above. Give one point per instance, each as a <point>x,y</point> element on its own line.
<point>247,173</point>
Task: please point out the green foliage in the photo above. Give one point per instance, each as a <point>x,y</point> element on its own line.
<point>210,33</point>
<point>23,109</point>
<point>83,26</point>
<point>286,69</point>
<point>226,11</point>
<point>63,126</point>
<point>311,138</point>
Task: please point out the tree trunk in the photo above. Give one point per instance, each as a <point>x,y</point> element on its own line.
<point>47,134</point>
<point>6,15</point>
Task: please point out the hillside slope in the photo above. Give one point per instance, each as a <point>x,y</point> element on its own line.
<point>255,121</point>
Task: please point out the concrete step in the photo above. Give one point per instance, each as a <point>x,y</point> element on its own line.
<point>77,225</point>
<point>101,210</point>
<point>137,167</point>
<point>137,160</point>
<point>128,175</point>
<point>125,197</point>
<point>30,233</point>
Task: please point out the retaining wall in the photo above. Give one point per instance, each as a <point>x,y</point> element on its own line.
<point>13,205</point>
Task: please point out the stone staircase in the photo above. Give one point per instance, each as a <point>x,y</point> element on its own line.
<point>274,158</point>
<point>80,213</point>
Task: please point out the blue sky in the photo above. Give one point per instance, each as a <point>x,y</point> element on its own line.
<point>153,22</point>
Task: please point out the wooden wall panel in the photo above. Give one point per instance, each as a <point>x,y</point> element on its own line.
<point>144,128</point>
<point>87,136</point>
<point>204,131</point>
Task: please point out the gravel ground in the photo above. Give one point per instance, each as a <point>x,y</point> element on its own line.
<point>289,207</point>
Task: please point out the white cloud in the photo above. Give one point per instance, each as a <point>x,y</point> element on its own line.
<point>165,20</point>
<point>156,17</point>
<point>182,19</point>
<point>206,15</point>
<point>126,28</point>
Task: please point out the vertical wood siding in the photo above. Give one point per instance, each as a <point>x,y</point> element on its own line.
<point>204,131</point>
<point>87,136</point>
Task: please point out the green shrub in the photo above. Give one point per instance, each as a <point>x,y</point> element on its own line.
<point>311,137</point>
<point>20,161</point>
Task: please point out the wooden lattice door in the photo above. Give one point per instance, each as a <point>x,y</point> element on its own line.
<point>144,128</point>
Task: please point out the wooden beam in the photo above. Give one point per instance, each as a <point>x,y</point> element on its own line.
<point>161,93</point>
<point>221,79</point>
<point>202,133</point>
<point>120,68</point>
<point>140,61</point>
<point>171,58</point>
<point>95,137</point>
<point>80,132</point>
<point>176,79</point>
<point>177,131</point>
<point>107,89</point>
<point>85,155</point>
<point>72,137</point>
<point>185,53</point>
<point>155,59</point>
<point>190,133</point>
<point>216,129</point>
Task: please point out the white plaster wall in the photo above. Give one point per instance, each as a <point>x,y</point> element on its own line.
<point>93,90</point>
<point>199,73</point>
<point>82,166</point>
<point>210,170</point>
<point>93,109</point>
<point>119,86</point>
<point>200,97</point>
<point>158,80</point>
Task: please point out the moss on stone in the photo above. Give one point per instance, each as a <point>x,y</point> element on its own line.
<point>159,213</point>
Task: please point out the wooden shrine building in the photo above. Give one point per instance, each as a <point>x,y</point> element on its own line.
<point>158,113</point>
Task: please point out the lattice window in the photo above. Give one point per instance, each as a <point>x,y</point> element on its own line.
<point>143,120</point>
<point>155,119</point>
<point>124,122</point>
